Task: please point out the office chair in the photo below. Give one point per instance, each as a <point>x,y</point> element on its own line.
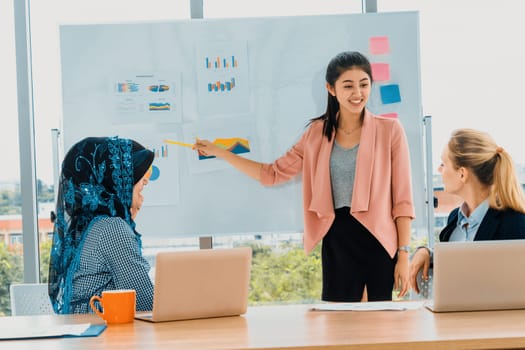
<point>30,299</point>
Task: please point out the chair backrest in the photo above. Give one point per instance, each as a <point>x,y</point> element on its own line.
<point>30,299</point>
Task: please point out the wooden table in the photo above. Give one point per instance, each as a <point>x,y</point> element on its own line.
<point>295,327</point>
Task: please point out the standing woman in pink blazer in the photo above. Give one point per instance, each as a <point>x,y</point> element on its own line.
<point>357,195</point>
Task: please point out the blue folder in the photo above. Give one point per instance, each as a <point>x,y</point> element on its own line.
<point>93,331</point>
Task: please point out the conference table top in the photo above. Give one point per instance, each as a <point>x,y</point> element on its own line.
<point>292,327</point>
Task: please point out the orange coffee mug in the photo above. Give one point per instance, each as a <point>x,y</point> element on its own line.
<point>118,306</point>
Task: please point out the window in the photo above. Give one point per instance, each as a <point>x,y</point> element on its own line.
<point>48,102</point>
<point>464,62</point>
<point>239,8</point>
<point>11,258</point>
<point>454,59</point>
<point>47,110</point>
<point>47,72</point>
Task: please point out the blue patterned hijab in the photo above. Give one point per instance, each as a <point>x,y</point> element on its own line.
<point>97,179</point>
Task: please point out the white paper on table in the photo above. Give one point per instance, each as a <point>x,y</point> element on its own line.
<point>369,306</point>
<point>41,331</point>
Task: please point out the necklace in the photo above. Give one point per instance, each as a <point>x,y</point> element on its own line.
<point>349,132</point>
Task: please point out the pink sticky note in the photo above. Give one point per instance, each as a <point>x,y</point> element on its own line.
<point>380,71</point>
<point>379,45</point>
<point>389,115</point>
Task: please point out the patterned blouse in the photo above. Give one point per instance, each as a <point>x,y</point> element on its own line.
<point>111,259</point>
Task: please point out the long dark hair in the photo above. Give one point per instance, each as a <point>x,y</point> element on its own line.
<point>337,66</point>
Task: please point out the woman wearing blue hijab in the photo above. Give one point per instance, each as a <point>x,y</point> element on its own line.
<point>95,244</point>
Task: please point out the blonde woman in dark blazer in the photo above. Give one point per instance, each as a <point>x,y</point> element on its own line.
<point>482,173</point>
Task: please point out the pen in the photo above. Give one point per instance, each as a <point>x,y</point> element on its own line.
<point>179,143</point>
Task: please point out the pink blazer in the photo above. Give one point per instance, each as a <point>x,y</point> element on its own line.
<point>382,187</point>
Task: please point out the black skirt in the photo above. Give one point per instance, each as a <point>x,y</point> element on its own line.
<point>352,258</point>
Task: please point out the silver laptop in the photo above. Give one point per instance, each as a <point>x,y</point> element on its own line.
<point>200,284</point>
<point>481,275</point>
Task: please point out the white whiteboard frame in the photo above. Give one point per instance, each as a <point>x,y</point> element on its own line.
<point>416,118</point>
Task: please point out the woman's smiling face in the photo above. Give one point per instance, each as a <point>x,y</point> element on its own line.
<point>352,90</point>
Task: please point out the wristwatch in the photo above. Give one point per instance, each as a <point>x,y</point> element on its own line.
<point>404,248</point>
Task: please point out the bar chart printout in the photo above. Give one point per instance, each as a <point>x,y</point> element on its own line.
<point>223,78</point>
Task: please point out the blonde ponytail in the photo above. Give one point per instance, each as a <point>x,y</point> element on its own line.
<point>491,164</point>
<point>506,190</point>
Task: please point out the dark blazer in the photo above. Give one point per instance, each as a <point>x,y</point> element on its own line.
<point>496,225</point>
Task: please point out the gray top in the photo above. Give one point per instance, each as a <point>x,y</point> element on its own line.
<point>342,173</point>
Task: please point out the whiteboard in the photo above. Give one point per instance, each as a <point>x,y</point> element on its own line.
<point>259,80</point>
